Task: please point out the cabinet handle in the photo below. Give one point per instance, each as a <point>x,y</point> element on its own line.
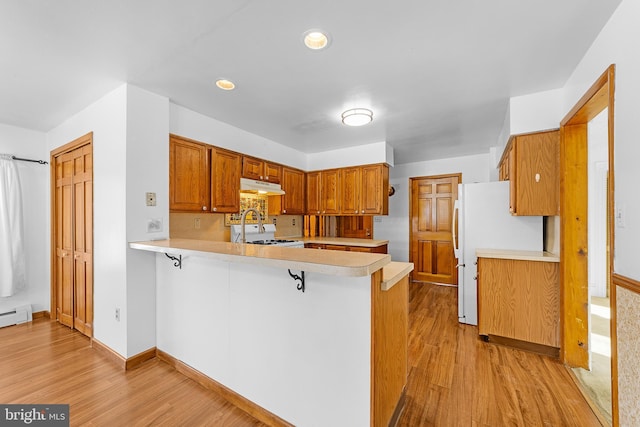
<point>362,211</point>
<point>215,209</point>
<point>537,177</point>
<point>356,211</point>
<point>262,178</point>
<point>318,212</point>
<point>284,211</point>
<point>204,208</point>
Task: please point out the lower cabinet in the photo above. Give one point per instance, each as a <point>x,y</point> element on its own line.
<point>519,300</point>
<point>382,249</point>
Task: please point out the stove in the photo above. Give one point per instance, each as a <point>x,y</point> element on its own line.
<point>253,236</point>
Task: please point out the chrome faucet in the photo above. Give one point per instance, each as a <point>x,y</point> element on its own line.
<point>243,219</point>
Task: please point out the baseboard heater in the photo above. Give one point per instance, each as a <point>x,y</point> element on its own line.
<point>17,315</point>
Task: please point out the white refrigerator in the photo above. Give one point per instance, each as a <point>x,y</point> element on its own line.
<point>483,220</point>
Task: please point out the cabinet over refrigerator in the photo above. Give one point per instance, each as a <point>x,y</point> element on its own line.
<point>481,219</point>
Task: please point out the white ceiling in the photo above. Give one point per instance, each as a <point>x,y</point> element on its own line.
<point>437,73</point>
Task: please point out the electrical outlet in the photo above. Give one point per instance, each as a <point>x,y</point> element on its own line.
<point>196,223</point>
<point>293,221</point>
<point>151,199</point>
<point>377,219</point>
<point>117,314</point>
<point>154,225</point>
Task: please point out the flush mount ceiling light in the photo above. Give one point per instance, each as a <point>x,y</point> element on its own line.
<point>357,117</point>
<point>225,84</point>
<point>315,39</point>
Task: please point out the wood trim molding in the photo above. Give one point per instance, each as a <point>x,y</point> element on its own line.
<point>626,282</point>
<point>40,315</point>
<point>110,354</point>
<point>137,360</point>
<point>603,89</point>
<point>231,396</point>
<point>124,363</point>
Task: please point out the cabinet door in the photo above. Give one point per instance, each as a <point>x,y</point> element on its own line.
<point>375,190</point>
<point>537,177</point>
<point>313,193</point>
<point>225,181</point>
<point>252,168</point>
<point>519,300</point>
<point>351,180</point>
<point>272,172</point>
<point>330,192</point>
<point>188,176</point>
<point>293,186</point>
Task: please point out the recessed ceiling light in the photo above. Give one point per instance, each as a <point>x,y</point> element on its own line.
<point>316,39</point>
<point>225,84</point>
<point>357,117</point>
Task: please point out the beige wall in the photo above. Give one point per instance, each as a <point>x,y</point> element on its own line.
<point>183,225</point>
<point>628,330</point>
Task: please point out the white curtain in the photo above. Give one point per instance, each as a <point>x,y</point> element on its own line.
<point>12,265</point>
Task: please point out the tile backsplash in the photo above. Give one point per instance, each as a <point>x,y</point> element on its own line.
<point>210,226</point>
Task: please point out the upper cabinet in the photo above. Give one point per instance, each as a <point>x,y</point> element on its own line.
<point>330,192</point>
<point>188,175</point>
<point>374,198</point>
<point>225,181</point>
<point>292,202</point>
<point>365,190</point>
<point>531,164</point>
<point>313,192</point>
<point>261,170</point>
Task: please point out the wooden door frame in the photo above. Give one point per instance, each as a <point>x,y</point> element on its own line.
<point>413,178</point>
<point>73,145</point>
<point>574,226</point>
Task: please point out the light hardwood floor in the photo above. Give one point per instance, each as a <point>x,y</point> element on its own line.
<point>455,379</point>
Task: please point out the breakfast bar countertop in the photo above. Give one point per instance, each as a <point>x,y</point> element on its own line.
<point>335,263</point>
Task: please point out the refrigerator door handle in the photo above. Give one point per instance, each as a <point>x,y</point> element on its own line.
<point>456,246</point>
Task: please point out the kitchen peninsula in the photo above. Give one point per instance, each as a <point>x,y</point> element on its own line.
<point>335,354</point>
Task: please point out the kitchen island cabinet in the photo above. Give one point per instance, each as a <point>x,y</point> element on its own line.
<point>519,296</point>
<point>335,354</point>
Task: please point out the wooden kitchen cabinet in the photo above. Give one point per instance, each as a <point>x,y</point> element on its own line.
<point>292,202</point>
<point>374,198</point>
<point>519,300</point>
<point>330,192</point>
<point>531,164</point>
<point>225,181</point>
<point>313,183</point>
<point>261,170</point>
<point>188,175</point>
<point>382,249</point>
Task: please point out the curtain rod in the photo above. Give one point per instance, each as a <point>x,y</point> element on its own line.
<point>42,162</point>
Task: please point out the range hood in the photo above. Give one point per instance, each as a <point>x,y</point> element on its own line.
<point>260,187</point>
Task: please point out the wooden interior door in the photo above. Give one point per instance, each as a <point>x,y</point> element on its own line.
<point>83,239</point>
<point>63,236</point>
<point>431,240</point>
<point>72,211</point>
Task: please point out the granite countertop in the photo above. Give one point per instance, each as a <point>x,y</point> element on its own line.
<point>344,241</point>
<point>517,255</point>
<point>335,263</point>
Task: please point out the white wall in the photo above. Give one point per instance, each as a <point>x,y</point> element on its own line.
<point>618,44</point>
<point>378,152</point>
<point>106,118</point>
<point>34,180</point>
<point>147,171</point>
<point>395,226</point>
<point>188,123</point>
<point>536,112</point>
